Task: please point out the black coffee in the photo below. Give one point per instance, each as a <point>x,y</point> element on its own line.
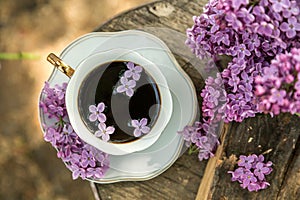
<point>100,86</point>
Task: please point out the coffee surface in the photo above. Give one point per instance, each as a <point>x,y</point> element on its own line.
<point>100,86</point>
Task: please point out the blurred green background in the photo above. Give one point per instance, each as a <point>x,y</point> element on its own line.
<point>29,168</point>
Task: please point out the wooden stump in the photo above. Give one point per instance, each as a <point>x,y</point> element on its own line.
<point>277,138</point>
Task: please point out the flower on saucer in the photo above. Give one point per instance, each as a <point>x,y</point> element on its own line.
<point>96,113</point>
<point>126,86</point>
<point>133,71</point>
<point>140,127</point>
<point>104,131</point>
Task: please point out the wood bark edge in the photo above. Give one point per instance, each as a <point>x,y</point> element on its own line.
<point>207,180</point>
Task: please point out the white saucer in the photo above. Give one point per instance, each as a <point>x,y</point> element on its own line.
<point>151,162</point>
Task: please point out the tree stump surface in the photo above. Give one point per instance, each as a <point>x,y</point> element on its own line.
<point>277,138</point>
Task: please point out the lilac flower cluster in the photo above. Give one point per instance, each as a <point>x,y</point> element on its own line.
<point>278,87</point>
<point>82,159</point>
<point>250,32</point>
<point>201,138</point>
<point>129,78</point>
<point>202,135</point>
<point>140,127</point>
<point>97,115</point>
<point>251,173</point>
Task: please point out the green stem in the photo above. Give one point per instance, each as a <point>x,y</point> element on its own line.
<point>193,149</point>
<point>298,114</point>
<point>18,56</point>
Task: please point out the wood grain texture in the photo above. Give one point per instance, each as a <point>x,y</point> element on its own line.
<point>277,138</point>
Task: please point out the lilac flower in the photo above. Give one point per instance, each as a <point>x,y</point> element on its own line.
<point>104,131</point>
<point>293,9</point>
<point>133,71</point>
<point>126,86</point>
<point>67,135</point>
<point>70,148</point>
<point>246,161</point>
<point>261,170</point>
<point>87,159</point>
<point>277,96</point>
<point>96,113</point>
<point>97,172</point>
<point>140,127</point>
<point>248,178</point>
<point>237,3</point>
<point>51,135</point>
<point>279,5</point>
<point>77,172</point>
<point>252,174</point>
<point>291,27</point>
<point>265,28</point>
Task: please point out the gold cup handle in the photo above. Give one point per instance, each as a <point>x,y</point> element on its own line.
<point>59,64</point>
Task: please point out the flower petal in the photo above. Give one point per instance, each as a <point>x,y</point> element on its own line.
<point>105,137</point>
<point>110,130</point>
<point>93,117</point>
<point>92,108</point>
<point>145,129</point>
<point>102,126</point>
<point>121,89</point>
<point>143,122</point>
<point>101,107</point>
<point>129,92</point>
<point>101,117</point>
<point>137,132</point>
<point>135,123</point>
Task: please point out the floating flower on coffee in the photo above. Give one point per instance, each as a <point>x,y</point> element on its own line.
<point>140,127</point>
<point>126,86</point>
<point>104,131</point>
<point>96,113</point>
<point>133,71</point>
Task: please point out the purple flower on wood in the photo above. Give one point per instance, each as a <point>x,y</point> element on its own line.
<point>290,27</point>
<point>261,171</point>
<point>96,113</point>
<point>104,131</point>
<point>133,71</point>
<point>246,161</point>
<point>126,86</point>
<point>140,127</point>
<point>252,175</point>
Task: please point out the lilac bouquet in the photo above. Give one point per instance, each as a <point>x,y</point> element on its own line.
<point>261,40</point>
<point>82,159</point>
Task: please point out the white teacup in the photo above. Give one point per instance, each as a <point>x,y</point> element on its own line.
<point>77,97</point>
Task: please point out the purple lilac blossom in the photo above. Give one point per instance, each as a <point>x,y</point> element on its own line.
<point>133,71</point>
<point>126,86</point>
<point>290,27</point>
<point>140,127</point>
<point>104,131</point>
<point>82,159</point>
<point>252,172</point>
<point>278,87</point>
<point>97,113</point>
<point>251,36</point>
